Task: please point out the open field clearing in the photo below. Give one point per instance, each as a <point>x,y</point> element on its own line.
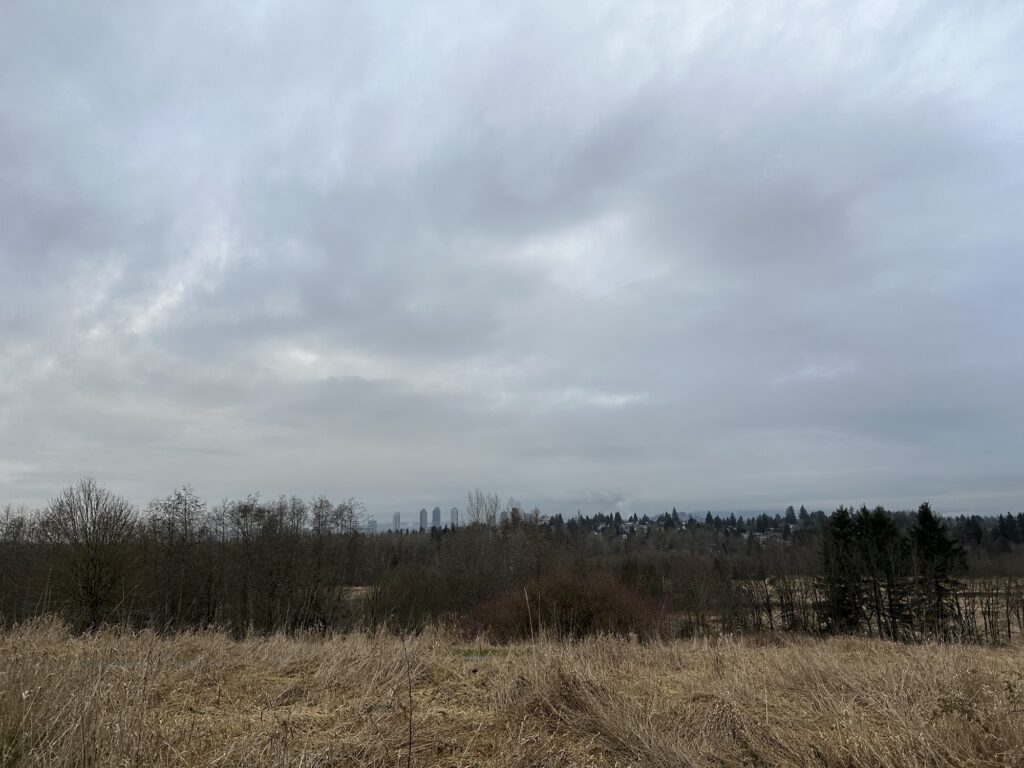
<point>118,699</point>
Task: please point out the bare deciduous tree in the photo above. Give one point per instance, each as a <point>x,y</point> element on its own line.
<point>482,507</point>
<point>174,524</point>
<point>94,527</point>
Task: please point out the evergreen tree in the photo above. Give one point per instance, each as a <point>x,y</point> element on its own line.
<point>1006,529</point>
<point>937,561</point>
<point>840,610</point>
<point>971,530</point>
<point>882,560</point>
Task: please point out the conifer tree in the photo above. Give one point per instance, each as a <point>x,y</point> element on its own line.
<point>840,610</point>
<point>937,561</point>
<point>882,560</point>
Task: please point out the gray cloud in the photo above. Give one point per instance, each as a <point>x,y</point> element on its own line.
<point>615,255</point>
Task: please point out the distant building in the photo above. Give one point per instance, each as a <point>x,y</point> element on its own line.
<point>423,519</point>
<point>435,517</point>
<point>455,517</point>
<point>396,521</point>
<point>371,527</point>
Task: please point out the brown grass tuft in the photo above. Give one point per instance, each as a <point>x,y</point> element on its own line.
<point>203,699</point>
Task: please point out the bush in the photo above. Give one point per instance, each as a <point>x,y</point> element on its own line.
<point>567,605</point>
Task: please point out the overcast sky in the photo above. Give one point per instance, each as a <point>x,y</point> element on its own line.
<point>595,255</point>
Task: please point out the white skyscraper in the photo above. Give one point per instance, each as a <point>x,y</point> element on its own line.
<point>455,517</point>
<point>423,519</point>
<point>435,517</point>
<point>371,528</point>
<point>396,521</point>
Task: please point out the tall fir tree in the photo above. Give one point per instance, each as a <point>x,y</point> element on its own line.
<point>937,560</point>
<point>840,610</point>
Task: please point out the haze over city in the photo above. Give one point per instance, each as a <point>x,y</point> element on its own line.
<point>597,256</point>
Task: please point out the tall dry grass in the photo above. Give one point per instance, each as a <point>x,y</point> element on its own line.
<point>122,699</point>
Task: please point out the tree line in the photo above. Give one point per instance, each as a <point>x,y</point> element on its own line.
<point>290,564</point>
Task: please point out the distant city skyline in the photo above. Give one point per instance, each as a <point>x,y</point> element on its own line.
<point>455,513</point>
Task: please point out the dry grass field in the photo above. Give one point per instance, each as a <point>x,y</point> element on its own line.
<point>122,699</point>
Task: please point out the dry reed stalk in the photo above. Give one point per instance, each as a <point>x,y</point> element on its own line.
<point>202,699</point>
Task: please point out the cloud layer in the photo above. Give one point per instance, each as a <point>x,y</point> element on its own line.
<point>596,255</point>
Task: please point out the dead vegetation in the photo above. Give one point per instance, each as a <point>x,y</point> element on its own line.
<point>118,699</point>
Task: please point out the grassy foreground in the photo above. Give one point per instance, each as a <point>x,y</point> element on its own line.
<point>118,699</point>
